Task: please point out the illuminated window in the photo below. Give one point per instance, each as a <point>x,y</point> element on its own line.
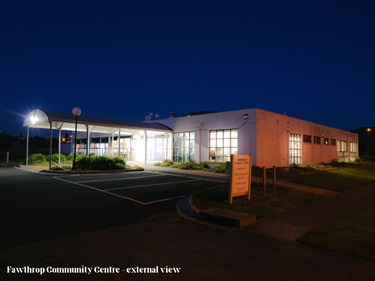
<point>183,147</point>
<point>156,148</point>
<point>223,143</point>
<point>353,151</point>
<point>295,149</point>
<point>342,151</point>
<point>98,146</point>
<point>306,138</point>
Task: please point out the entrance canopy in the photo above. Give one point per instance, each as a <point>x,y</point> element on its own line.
<point>122,128</point>
<point>66,122</point>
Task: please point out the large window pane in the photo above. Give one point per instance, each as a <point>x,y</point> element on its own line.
<point>223,143</point>
<point>183,147</point>
<point>295,151</point>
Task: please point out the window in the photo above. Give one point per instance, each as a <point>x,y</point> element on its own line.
<point>98,146</point>
<point>295,149</point>
<point>223,143</point>
<point>353,151</point>
<point>316,140</point>
<point>156,148</point>
<point>342,151</point>
<point>326,141</point>
<point>183,147</point>
<point>306,138</point>
<point>124,144</point>
<point>332,142</point>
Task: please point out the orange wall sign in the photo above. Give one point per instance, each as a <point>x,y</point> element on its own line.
<point>241,176</point>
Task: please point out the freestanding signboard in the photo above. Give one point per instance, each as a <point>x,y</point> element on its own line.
<point>241,176</point>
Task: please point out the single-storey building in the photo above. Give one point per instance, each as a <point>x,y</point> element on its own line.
<point>273,139</point>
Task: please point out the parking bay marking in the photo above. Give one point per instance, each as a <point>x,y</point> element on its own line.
<point>125,178</point>
<point>153,184</point>
<point>125,197</point>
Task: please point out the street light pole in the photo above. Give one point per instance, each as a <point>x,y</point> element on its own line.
<point>76,112</point>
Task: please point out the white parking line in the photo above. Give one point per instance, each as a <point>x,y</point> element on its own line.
<point>107,191</point>
<point>104,191</point>
<point>144,185</point>
<point>117,179</point>
<point>163,200</point>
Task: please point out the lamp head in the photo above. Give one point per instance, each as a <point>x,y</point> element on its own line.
<point>76,111</point>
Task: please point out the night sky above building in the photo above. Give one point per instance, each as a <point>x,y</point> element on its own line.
<point>309,59</point>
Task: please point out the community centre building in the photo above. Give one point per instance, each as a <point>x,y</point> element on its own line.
<point>273,139</point>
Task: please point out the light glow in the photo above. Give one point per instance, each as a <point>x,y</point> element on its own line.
<point>34,119</point>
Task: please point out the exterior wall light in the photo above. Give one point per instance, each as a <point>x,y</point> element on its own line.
<point>246,116</point>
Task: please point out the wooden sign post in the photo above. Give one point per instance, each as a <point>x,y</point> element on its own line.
<point>241,176</point>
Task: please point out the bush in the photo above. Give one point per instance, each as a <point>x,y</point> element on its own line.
<point>70,157</point>
<point>84,163</point>
<point>177,165</point>
<point>191,165</point>
<point>61,168</point>
<point>55,158</point>
<point>37,158</point>
<point>204,165</point>
<point>93,162</point>
<point>219,169</point>
<point>165,163</point>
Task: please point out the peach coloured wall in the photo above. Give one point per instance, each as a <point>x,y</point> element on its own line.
<point>273,131</point>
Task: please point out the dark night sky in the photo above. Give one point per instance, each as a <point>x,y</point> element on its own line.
<point>310,59</point>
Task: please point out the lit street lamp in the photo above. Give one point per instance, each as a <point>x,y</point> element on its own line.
<point>76,112</point>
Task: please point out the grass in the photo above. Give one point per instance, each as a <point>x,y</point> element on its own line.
<point>352,233</point>
<point>340,179</point>
<point>259,206</point>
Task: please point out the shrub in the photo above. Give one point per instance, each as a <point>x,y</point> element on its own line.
<point>204,165</point>
<point>191,165</point>
<point>84,163</point>
<point>61,168</point>
<point>165,163</point>
<point>93,162</point>
<point>118,160</point>
<point>37,158</point>
<point>70,157</point>
<point>55,158</point>
<point>177,165</point>
<point>100,163</point>
<point>219,169</point>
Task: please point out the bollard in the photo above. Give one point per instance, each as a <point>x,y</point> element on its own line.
<point>8,157</point>
<point>264,181</point>
<point>274,180</point>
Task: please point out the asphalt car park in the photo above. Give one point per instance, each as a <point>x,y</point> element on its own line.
<point>38,207</point>
<point>143,188</point>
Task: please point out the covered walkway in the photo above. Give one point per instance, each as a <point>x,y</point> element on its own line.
<point>149,140</point>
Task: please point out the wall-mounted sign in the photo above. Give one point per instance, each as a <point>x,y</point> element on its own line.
<point>241,176</point>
